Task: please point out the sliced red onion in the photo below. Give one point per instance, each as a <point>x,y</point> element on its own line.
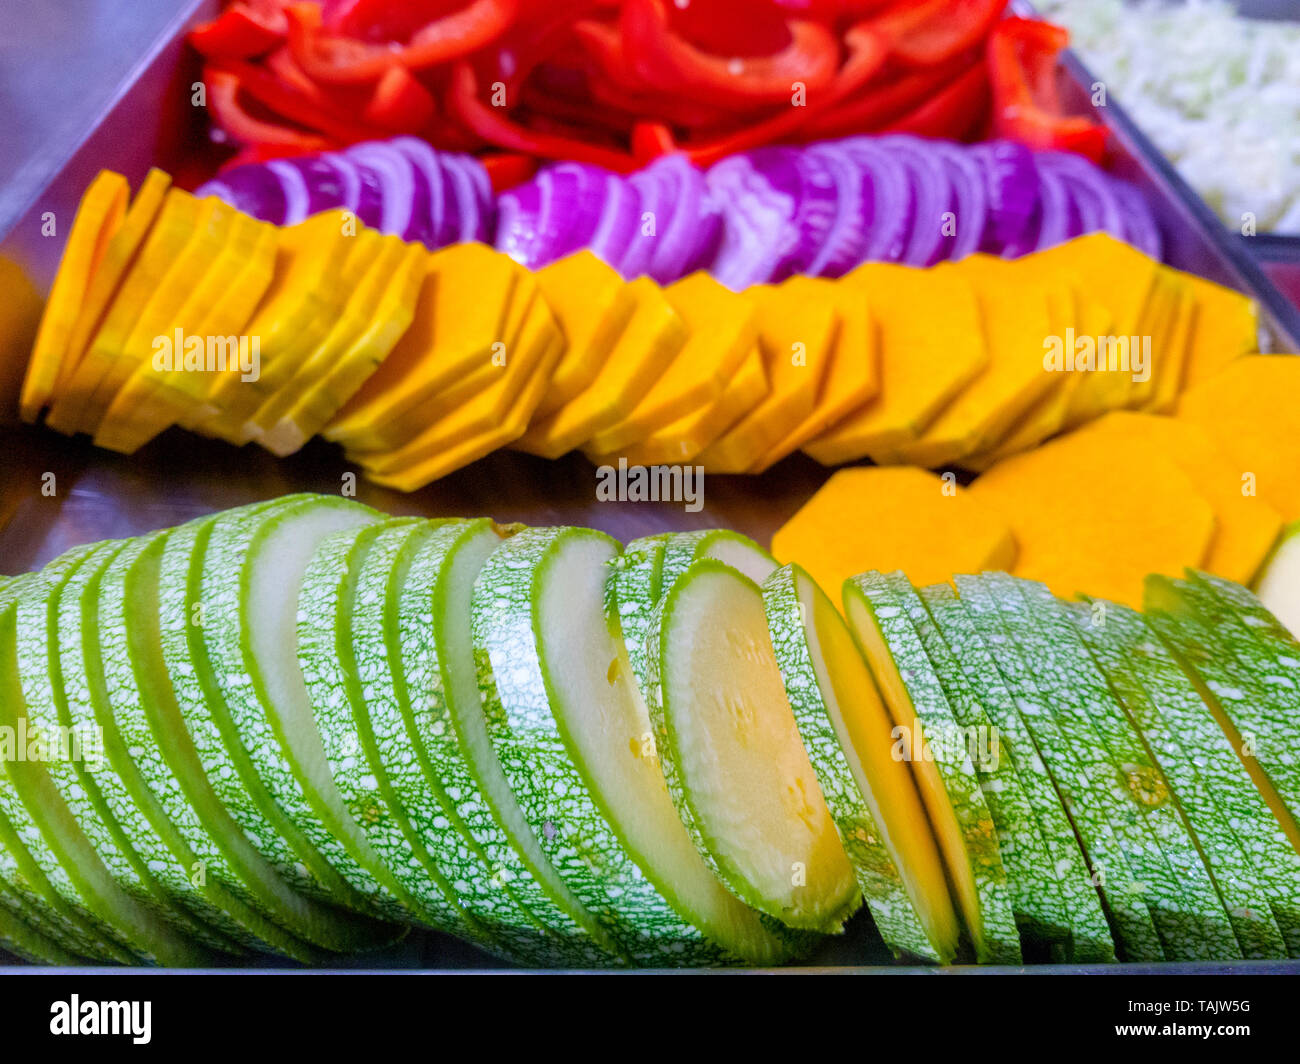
<point>253,189</point>
<point>640,248</point>
<point>324,183</point>
<point>653,230</point>
<point>1054,211</point>
<point>468,220</point>
<point>1139,224</point>
<point>1092,189</point>
<point>425,159</point>
<point>846,241</point>
<point>551,216</point>
<point>619,220</point>
<point>970,204</point>
<point>1011,179</point>
<point>688,235</point>
<point>809,185</point>
<point>887,199</point>
<point>517,213</point>
<point>396,174</point>
<point>759,232</point>
<point>932,197</point>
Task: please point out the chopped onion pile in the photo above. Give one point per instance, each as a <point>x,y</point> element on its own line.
<point>400,186</point>
<point>1218,93</point>
<point>820,210</point>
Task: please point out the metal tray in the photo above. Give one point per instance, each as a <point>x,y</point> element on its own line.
<point>146,120</point>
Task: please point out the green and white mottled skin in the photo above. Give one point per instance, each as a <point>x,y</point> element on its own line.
<point>229,770</point>
<point>50,899</point>
<point>199,870</point>
<point>41,676</point>
<point>682,549</point>
<point>946,747</point>
<point>1222,681</point>
<point>1040,910</point>
<point>1120,643</point>
<point>1191,919</point>
<point>1262,648</point>
<point>20,938</point>
<point>243,688</point>
<point>1070,752</point>
<point>85,887</point>
<point>631,593</point>
<point>1090,938</point>
<point>527,729</point>
<point>410,876</point>
<point>877,874</point>
<point>411,739</point>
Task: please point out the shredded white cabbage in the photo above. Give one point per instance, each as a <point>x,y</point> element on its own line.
<point>1218,93</point>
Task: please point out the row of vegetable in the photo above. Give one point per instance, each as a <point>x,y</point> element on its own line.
<point>176,310</point>
<point>527,737</point>
<point>616,83</point>
<point>752,218</point>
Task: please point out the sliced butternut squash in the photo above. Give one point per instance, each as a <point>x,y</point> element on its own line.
<point>358,353</point>
<point>1246,527</point>
<point>796,338</point>
<point>468,291</point>
<point>298,310</point>
<point>1227,327</point>
<point>722,329</point>
<point>466,442</point>
<point>893,517</point>
<point>654,335</point>
<point>98,217</point>
<point>140,309</point>
<point>853,374</point>
<point>931,347</point>
<point>1090,517</point>
<point>1249,410</point>
<point>1016,314</point>
<point>686,437</point>
<point>218,308</point>
<point>532,353</point>
<point>592,305</point>
<point>117,259</point>
<point>294,371</point>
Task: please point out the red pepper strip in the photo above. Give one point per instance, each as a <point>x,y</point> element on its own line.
<point>1022,57</point>
<point>492,125</point>
<point>331,58</point>
<point>223,100</point>
<point>952,113</point>
<point>834,9</point>
<point>507,169</point>
<point>400,104</point>
<point>867,55</point>
<point>387,20</point>
<point>306,109</point>
<point>261,153</point>
<point>667,61</point>
<point>924,34</point>
<point>651,140</point>
<point>242,31</point>
<point>883,102</point>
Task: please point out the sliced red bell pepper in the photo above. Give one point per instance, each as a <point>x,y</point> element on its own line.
<point>223,88</point>
<point>731,27</point>
<point>309,109</point>
<point>866,57</point>
<point>335,58</point>
<point>1022,57</point>
<point>386,20</point>
<point>506,170</point>
<point>930,32</point>
<point>885,100</point>
<point>400,104</point>
<point>650,140</point>
<point>261,153</point>
<point>666,60</point>
<point>246,29</point>
<point>953,112</point>
<point>491,124</point>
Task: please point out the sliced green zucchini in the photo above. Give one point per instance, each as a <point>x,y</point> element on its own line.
<point>410,875</point>
<point>732,757</point>
<point>682,549</point>
<point>935,745</point>
<point>41,676</point>
<point>632,589</point>
<point>423,631</point>
<point>88,892</point>
<point>1278,586</point>
<point>1090,937</point>
<point>1121,644</point>
<point>252,574</point>
<point>1119,851</point>
<point>1040,911</point>
<point>22,940</point>
<point>871,795</point>
<point>216,739</point>
<point>574,742</point>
